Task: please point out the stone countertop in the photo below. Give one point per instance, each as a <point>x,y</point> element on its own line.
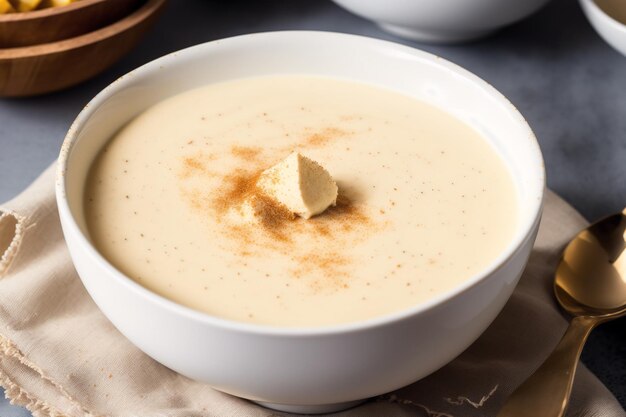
<point>566,81</point>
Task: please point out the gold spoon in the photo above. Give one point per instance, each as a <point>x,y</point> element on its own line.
<point>590,284</point>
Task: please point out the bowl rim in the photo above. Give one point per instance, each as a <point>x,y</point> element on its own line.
<point>47,12</point>
<point>143,12</point>
<point>590,6</point>
<point>527,227</point>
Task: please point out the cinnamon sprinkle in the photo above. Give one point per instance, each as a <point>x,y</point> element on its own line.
<point>337,228</point>
<point>324,136</point>
<point>236,187</point>
<point>196,165</point>
<point>193,164</point>
<point>330,262</point>
<point>276,229</point>
<point>247,153</point>
<point>241,187</point>
<point>272,215</point>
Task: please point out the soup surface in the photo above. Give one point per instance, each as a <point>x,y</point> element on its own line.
<point>424,201</point>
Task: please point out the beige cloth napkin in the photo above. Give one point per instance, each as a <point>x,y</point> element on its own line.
<point>60,356</point>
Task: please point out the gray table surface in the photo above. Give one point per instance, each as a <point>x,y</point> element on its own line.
<point>568,83</point>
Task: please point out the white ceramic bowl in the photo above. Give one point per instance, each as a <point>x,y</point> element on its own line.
<point>442,21</point>
<point>303,369</point>
<point>610,29</point>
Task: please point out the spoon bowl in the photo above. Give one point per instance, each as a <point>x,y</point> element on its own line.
<point>590,284</point>
<point>591,278</point>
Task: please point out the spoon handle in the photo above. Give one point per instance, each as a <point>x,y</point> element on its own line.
<point>546,392</point>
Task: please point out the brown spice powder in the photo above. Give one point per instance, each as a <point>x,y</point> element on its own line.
<point>192,164</point>
<point>236,187</point>
<point>241,187</point>
<point>333,265</point>
<point>324,136</point>
<point>247,153</point>
<point>196,165</point>
<point>338,227</point>
<point>277,229</point>
<point>272,215</point>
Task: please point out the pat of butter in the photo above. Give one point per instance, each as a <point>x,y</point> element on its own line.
<point>300,184</point>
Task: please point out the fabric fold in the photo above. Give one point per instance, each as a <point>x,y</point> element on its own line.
<point>11,230</point>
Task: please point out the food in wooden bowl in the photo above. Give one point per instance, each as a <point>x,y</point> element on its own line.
<point>39,69</point>
<point>20,6</point>
<point>56,23</point>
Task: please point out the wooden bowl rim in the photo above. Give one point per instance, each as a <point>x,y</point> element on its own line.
<point>44,13</point>
<point>136,17</point>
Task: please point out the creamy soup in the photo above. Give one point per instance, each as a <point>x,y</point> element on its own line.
<point>424,201</point>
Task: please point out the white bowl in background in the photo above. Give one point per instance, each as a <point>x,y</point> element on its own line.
<point>303,369</point>
<point>609,28</point>
<point>442,21</point>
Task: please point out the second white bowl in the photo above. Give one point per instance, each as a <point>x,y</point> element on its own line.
<point>610,29</point>
<point>442,21</point>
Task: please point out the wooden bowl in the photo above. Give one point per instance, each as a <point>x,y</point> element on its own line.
<point>57,23</point>
<point>39,69</point>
